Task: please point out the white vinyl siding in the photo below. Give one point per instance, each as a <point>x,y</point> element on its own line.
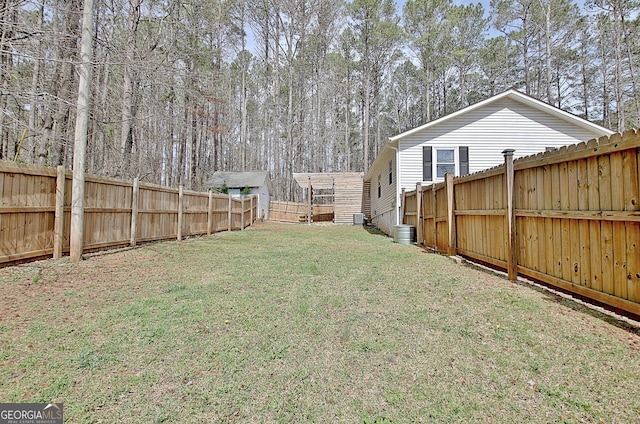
<point>264,199</point>
<point>383,208</point>
<point>487,131</point>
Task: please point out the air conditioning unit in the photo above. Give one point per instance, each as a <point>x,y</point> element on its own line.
<point>358,219</point>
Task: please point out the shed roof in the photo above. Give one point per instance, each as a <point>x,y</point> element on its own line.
<point>240,179</point>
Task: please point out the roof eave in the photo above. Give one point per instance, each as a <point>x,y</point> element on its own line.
<point>388,146</point>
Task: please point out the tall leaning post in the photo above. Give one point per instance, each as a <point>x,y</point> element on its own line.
<point>76,231</point>
<point>58,223</point>
<point>512,258</point>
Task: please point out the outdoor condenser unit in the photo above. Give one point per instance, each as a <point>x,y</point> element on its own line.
<point>358,219</point>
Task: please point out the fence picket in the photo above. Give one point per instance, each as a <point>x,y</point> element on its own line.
<point>633,261</point>
<point>541,222</point>
<point>134,211</point>
<point>35,212</point>
<point>577,218</point>
<point>583,205</point>
<point>58,228</point>
<point>575,266</point>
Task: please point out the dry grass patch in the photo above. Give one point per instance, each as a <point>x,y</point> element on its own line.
<point>287,323</point>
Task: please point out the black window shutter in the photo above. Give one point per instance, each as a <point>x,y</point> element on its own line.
<point>464,160</point>
<point>427,167</point>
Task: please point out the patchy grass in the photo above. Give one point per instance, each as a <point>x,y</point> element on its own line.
<point>287,323</point>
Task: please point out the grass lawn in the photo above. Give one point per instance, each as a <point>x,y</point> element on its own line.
<point>291,323</point>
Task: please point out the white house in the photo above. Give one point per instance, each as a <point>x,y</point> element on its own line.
<point>258,183</point>
<point>467,141</point>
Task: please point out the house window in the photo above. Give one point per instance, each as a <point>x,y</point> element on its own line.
<point>427,170</point>
<point>463,154</point>
<point>446,162</point>
<point>379,186</point>
<point>390,172</point>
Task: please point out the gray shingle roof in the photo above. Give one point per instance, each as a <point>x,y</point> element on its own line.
<point>251,179</point>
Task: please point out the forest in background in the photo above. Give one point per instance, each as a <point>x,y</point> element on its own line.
<point>181,89</point>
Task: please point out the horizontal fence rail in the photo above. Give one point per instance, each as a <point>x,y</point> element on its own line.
<point>297,212</point>
<point>35,212</point>
<point>569,218</point>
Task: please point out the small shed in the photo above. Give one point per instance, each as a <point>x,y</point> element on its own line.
<point>341,190</point>
<point>257,182</point>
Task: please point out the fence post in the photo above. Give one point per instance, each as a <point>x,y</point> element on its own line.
<point>58,225</point>
<point>451,216</point>
<point>210,213</point>
<point>251,210</point>
<point>434,210</point>
<point>512,258</point>
<point>229,214</point>
<point>419,237</point>
<point>180,200</point>
<point>134,211</point>
<point>309,193</point>
<point>242,214</point>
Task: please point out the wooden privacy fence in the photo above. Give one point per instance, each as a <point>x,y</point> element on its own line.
<point>569,218</point>
<point>297,212</point>
<point>35,212</point>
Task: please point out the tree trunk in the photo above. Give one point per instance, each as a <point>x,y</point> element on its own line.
<point>243,112</point>
<point>194,145</point>
<point>619,77</point>
<point>183,140</point>
<point>33,97</point>
<point>547,42</point>
<point>170,154</point>
<point>631,64</point>
<point>6,28</point>
<point>128,85</point>
<point>366,118</point>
